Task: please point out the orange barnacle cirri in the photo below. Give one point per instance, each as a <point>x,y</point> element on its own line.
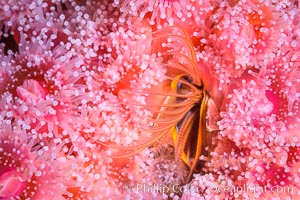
<point>177,105</point>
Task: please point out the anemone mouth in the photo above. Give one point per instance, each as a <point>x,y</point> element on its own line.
<point>11,183</point>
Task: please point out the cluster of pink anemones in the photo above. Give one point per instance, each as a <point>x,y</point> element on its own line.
<point>81,82</point>
<point>39,108</point>
<point>258,143</point>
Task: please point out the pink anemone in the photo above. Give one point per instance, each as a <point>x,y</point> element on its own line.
<point>29,169</point>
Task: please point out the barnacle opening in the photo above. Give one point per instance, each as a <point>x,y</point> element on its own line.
<point>175,108</point>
